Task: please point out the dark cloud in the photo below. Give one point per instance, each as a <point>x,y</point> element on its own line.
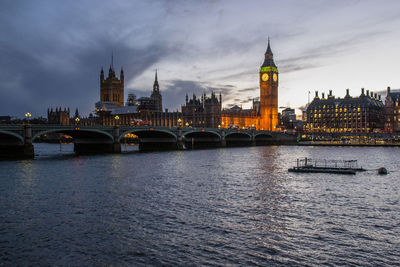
<point>51,51</point>
<point>48,61</point>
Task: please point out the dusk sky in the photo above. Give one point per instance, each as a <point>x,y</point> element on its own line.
<point>51,51</point>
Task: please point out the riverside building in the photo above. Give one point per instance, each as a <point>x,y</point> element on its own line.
<point>392,111</point>
<point>364,113</point>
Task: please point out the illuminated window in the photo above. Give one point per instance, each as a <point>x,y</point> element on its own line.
<point>359,109</point>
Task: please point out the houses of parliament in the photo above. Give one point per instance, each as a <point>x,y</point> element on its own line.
<point>366,113</point>
<point>204,111</point>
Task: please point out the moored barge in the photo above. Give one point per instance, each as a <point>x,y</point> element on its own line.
<point>308,165</point>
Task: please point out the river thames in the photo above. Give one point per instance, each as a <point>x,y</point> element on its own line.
<point>234,206</point>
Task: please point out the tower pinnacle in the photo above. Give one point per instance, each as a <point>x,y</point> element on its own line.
<point>269,57</point>
<point>269,51</point>
<point>155,85</point>
<point>112,61</point>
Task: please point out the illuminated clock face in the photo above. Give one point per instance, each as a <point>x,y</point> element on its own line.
<point>264,77</point>
<point>275,77</point>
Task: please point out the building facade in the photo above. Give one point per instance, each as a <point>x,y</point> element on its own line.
<point>204,112</point>
<point>112,88</point>
<point>58,116</point>
<point>392,111</point>
<point>364,113</point>
<point>237,117</point>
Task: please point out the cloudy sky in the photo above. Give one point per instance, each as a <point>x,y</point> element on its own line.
<point>51,51</point>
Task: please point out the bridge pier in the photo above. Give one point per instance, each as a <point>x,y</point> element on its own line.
<point>12,149</point>
<point>28,151</point>
<point>180,143</point>
<point>223,140</point>
<point>116,148</point>
<point>253,138</point>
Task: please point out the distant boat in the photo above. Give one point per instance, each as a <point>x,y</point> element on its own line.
<point>308,165</point>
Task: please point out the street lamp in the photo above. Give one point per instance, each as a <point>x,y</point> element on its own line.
<point>219,126</point>
<point>77,120</point>
<point>116,118</point>
<point>28,115</point>
<point>187,124</point>
<point>222,124</point>
<point>179,122</point>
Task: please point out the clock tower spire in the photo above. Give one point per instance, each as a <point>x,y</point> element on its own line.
<point>268,92</point>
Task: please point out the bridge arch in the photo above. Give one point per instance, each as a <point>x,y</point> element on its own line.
<point>201,139</point>
<point>262,135</point>
<point>238,138</point>
<point>192,132</point>
<point>238,134</point>
<point>142,133</point>
<point>81,133</point>
<point>13,135</point>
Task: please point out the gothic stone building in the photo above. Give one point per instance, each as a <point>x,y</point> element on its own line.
<point>204,112</point>
<point>266,117</point>
<point>112,88</point>
<point>144,111</point>
<point>349,114</point>
<point>58,116</point>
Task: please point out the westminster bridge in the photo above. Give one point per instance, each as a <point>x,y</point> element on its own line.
<point>16,141</point>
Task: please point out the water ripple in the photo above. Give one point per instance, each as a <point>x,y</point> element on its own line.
<point>216,207</point>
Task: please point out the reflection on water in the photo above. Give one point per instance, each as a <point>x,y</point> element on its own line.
<point>235,206</point>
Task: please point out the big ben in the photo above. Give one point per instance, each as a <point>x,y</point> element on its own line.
<point>268,93</point>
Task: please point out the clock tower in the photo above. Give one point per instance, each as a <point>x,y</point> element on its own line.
<point>268,93</point>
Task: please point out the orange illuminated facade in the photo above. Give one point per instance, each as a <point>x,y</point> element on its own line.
<point>264,114</point>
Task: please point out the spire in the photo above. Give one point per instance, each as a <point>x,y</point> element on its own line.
<point>269,51</point>
<point>112,61</point>
<point>155,85</point>
<point>269,57</point>
<point>102,74</point>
